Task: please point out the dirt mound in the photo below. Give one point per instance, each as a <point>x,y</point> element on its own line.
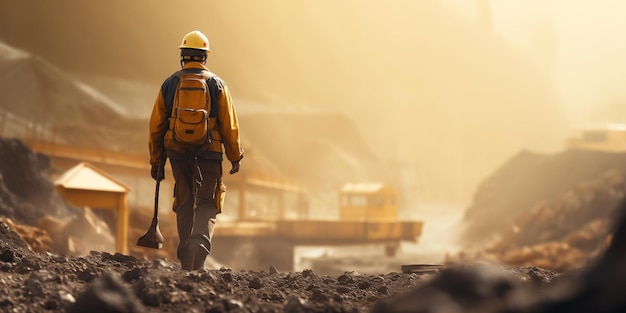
<point>36,238</point>
<point>25,194</point>
<point>529,179</point>
<point>30,206</point>
<point>554,211</point>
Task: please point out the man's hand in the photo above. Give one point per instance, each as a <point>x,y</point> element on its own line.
<point>155,172</point>
<point>235,168</point>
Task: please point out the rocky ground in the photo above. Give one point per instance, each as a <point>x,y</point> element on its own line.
<point>103,282</point>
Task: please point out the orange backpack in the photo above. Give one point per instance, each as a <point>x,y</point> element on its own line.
<point>190,111</point>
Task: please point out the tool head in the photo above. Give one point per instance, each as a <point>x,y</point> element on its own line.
<point>152,238</point>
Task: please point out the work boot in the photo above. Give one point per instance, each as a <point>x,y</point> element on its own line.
<point>197,255</point>
<point>185,259</point>
<point>185,263</point>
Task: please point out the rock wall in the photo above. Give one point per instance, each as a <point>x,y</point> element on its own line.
<point>26,195</point>
<point>554,211</point>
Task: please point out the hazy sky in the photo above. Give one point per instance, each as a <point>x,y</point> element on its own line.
<point>426,81</point>
<point>591,48</point>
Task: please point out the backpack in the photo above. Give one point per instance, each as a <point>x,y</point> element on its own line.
<point>189,120</point>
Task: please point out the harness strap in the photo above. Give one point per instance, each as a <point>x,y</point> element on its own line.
<point>197,176</point>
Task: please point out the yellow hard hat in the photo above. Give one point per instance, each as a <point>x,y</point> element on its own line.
<point>195,40</point>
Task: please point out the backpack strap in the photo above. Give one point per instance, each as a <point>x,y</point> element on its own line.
<point>214,94</point>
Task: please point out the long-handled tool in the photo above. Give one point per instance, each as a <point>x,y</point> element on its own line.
<point>153,237</point>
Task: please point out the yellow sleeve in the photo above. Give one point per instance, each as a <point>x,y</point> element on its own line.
<point>229,126</point>
<point>158,127</point>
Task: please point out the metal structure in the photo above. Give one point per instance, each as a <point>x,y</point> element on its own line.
<point>367,212</point>
<point>368,215</point>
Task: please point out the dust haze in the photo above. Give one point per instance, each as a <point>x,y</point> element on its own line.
<point>441,91</point>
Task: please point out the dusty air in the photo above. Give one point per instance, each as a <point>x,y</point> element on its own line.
<point>312,156</point>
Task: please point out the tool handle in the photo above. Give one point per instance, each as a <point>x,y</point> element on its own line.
<point>156,192</point>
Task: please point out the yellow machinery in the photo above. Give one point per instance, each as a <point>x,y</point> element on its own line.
<point>367,214</point>
<point>367,201</point>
